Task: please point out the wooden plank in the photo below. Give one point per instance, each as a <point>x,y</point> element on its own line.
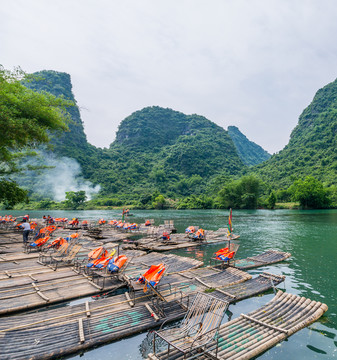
<point>272,276</point>
<point>35,287</point>
<point>87,309</point>
<point>186,276</point>
<point>155,316</point>
<point>264,324</point>
<point>257,260</point>
<point>226,293</point>
<point>32,277</point>
<point>95,285</point>
<point>44,297</point>
<point>203,283</point>
<point>81,330</point>
<point>130,302</point>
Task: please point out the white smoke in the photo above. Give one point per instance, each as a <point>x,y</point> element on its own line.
<point>64,175</point>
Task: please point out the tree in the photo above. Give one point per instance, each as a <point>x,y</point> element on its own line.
<point>240,194</point>
<point>271,200</point>
<point>26,119</point>
<point>159,202</point>
<point>74,199</point>
<point>10,193</point>
<point>310,193</point>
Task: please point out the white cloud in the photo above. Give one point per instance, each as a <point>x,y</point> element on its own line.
<point>253,64</point>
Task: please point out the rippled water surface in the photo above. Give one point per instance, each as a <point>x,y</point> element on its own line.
<point>311,238</point>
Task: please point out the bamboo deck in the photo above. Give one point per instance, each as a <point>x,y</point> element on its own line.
<point>266,258</point>
<point>249,335</point>
<point>178,241</point>
<point>79,327</point>
<point>25,284</point>
<point>18,294</point>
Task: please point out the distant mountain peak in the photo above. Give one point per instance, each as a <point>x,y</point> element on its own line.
<point>312,146</point>
<point>249,152</point>
<point>155,126</point>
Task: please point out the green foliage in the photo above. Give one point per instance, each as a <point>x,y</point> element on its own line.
<point>271,200</point>
<point>312,146</point>
<point>106,202</point>
<point>46,204</point>
<point>26,120</point>
<point>75,199</point>
<point>11,194</point>
<point>26,117</point>
<point>195,202</point>
<point>159,202</point>
<point>155,149</point>
<point>249,152</point>
<point>310,193</point>
<point>163,158</point>
<point>240,194</point>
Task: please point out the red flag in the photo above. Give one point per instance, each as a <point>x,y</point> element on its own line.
<point>230,221</point>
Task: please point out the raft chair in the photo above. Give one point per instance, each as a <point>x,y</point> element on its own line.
<point>91,257</point>
<point>84,224</point>
<point>147,283</point>
<point>97,269</point>
<point>96,253</point>
<point>95,266</point>
<point>120,225</point>
<point>37,244</point>
<point>198,329</point>
<point>151,278</point>
<point>166,236</point>
<point>102,261</point>
<point>130,227</point>
<point>55,244</point>
<point>116,264</point>
<point>199,235</point>
<point>112,223</point>
<point>67,258</point>
<point>61,249</point>
<point>190,230</point>
<point>224,256</point>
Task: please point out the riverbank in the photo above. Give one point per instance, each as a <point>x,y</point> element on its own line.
<point>32,206</point>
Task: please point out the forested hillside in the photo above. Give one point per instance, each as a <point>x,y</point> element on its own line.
<point>156,150</point>
<point>312,146</point>
<point>161,156</point>
<point>72,143</point>
<point>165,150</point>
<point>249,152</point>
<point>164,158</point>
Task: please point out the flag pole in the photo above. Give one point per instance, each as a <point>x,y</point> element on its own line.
<point>230,228</point>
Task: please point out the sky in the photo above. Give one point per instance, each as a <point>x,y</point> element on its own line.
<point>254,64</point>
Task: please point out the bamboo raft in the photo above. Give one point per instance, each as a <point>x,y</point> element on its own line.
<point>38,336</point>
<point>174,263</point>
<point>26,285</point>
<point>18,294</point>
<point>178,241</point>
<point>266,258</point>
<point>250,335</point>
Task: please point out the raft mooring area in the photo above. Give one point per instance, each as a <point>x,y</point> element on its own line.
<point>32,328</point>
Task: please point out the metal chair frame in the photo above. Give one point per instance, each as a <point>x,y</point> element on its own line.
<point>199,327</point>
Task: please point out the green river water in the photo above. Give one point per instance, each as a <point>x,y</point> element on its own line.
<point>311,238</point>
